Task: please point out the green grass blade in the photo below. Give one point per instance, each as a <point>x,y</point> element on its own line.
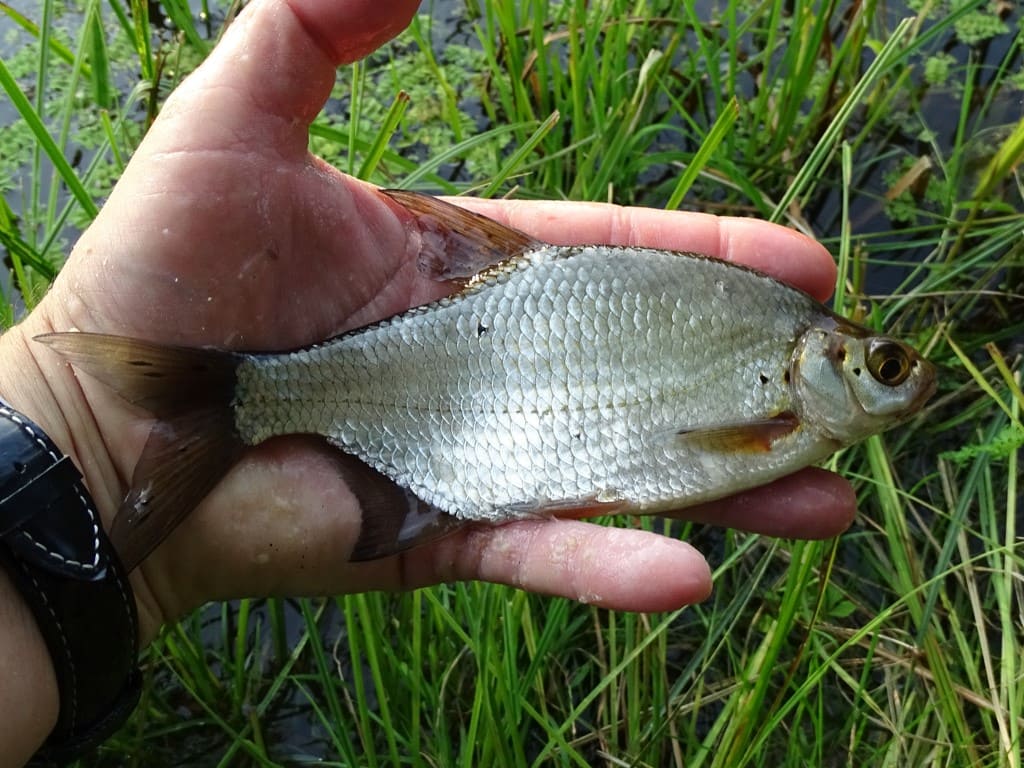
<point>384,134</point>
<point>889,54</point>
<point>518,157</point>
<point>723,124</point>
<point>180,13</point>
<point>98,69</point>
<point>62,51</point>
<point>29,115</point>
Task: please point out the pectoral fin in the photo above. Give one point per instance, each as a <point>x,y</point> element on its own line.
<point>757,436</point>
<point>393,518</point>
<point>458,244</point>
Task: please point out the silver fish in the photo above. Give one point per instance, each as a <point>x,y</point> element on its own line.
<point>558,379</point>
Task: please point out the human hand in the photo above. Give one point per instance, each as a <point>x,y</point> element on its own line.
<point>224,231</point>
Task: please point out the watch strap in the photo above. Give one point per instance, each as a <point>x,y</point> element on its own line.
<point>54,547</point>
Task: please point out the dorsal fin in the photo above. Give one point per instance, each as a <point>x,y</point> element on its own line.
<point>458,244</point>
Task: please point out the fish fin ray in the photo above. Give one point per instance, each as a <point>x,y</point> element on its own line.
<point>393,518</point>
<point>161,379</point>
<point>751,436</point>
<point>459,244</point>
<point>191,446</point>
<point>605,503</point>
<point>184,459</point>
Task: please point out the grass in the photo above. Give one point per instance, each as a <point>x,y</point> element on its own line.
<point>897,142</point>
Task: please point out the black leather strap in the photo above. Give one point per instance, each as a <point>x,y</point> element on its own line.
<point>53,545</point>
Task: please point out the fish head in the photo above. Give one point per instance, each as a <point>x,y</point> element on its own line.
<point>851,383</point>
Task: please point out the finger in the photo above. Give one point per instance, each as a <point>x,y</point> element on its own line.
<point>295,541</point>
<point>809,504</point>
<point>348,31</point>
<point>773,249</point>
<point>615,568</point>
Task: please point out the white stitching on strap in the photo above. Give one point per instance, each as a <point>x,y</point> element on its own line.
<point>34,435</point>
<point>126,596</point>
<point>69,693</point>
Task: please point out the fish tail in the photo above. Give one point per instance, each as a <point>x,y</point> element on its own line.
<point>191,446</point>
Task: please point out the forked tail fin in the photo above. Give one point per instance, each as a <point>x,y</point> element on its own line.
<point>192,444</point>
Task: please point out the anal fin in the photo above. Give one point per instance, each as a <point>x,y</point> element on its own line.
<point>606,503</point>
<point>394,519</point>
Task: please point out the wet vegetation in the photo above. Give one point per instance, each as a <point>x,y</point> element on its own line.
<point>892,132</point>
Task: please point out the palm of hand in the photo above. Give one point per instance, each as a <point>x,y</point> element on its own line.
<point>225,232</point>
<point>243,242</point>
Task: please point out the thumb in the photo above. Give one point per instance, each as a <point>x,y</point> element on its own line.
<point>272,72</point>
<point>349,30</point>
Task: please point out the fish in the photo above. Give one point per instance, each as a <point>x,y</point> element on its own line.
<point>552,381</point>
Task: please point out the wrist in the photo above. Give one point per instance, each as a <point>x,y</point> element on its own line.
<point>29,701</point>
<point>60,569</point>
<point>47,391</point>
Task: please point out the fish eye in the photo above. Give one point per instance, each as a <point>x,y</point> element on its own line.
<point>888,362</point>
